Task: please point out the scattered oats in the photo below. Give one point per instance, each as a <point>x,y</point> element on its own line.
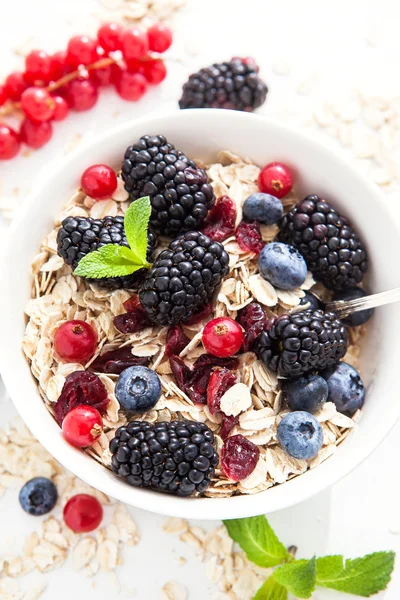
<point>365,143</point>
<point>35,592</point>
<point>236,399</point>
<point>263,291</point>
<point>107,553</point>
<point>173,590</point>
<point>83,553</point>
<point>174,525</point>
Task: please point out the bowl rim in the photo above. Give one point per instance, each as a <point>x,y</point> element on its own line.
<point>221,508</point>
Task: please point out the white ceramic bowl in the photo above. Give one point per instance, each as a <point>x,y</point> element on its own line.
<point>201,133</point>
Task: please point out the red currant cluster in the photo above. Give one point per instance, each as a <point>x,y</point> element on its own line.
<point>51,85</point>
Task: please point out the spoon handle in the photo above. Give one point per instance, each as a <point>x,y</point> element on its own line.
<point>343,308</point>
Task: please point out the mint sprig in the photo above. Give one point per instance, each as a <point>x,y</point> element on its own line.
<point>113,260</point>
<point>363,576</point>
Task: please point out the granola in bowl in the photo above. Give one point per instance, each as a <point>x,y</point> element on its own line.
<point>224,419</point>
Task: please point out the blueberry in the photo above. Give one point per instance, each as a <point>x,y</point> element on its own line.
<point>357,318</point>
<point>346,388</point>
<point>311,302</point>
<point>138,389</point>
<point>263,208</point>
<point>307,393</point>
<point>300,434</point>
<point>38,496</point>
<point>282,266</point>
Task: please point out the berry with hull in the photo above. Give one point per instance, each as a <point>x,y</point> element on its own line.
<point>275,179</point>
<point>282,265</point>
<point>83,513</point>
<point>302,342</point>
<point>308,393</point>
<point>346,388</point>
<point>263,208</point>
<point>38,496</point>
<point>9,142</point>
<point>332,249</point>
<point>300,435</point>
<point>82,426</point>
<point>138,389</point>
<point>183,278</point>
<point>232,85</point>
<point>357,318</point>
<point>222,337</point>
<point>176,457</point>
<point>99,182</point>
<point>75,341</point>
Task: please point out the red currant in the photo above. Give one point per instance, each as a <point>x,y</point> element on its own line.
<point>3,95</point>
<point>275,179</point>
<point>83,513</point>
<point>37,104</point>
<point>104,75</point>
<point>75,341</point>
<point>160,37</point>
<point>155,71</point>
<point>38,66</point>
<point>82,426</point>
<point>81,50</point>
<point>35,134</point>
<point>109,36</point>
<point>222,337</point>
<point>14,85</point>
<point>58,65</point>
<point>61,109</point>
<point>135,43</point>
<point>99,182</point>
<point>82,94</point>
<point>131,86</point>
<point>9,142</point>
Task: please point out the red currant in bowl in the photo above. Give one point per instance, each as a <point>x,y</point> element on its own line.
<point>82,426</point>
<point>222,337</point>
<point>99,182</point>
<point>75,341</point>
<point>83,513</point>
<point>275,179</point>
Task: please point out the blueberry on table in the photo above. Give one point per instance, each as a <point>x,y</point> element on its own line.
<point>308,393</point>
<point>38,496</point>
<point>300,434</point>
<point>357,318</point>
<point>138,389</point>
<point>346,388</point>
<point>264,208</point>
<point>282,265</point>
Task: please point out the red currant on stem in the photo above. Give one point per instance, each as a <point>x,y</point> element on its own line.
<point>104,75</point>
<point>99,182</point>
<point>82,426</point>
<point>82,94</point>
<point>3,95</point>
<point>222,337</point>
<point>61,109</point>
<point>81,50</point>
<point>155,71</point>
<point>38,66</point>
<point>37,104</point>
<point>75,341</point>
<point>109,36</point>
<point>58,66</point>
<point>160,37</point>
<point>275,179</point>
<point>83,513</point>
<point>131,86</point>
<point>14,85</point>
<point>135,43</point>
<point>9,142</point>
<point>35,134</point>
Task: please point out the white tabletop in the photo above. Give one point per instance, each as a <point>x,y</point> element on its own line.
<point>310,55</point>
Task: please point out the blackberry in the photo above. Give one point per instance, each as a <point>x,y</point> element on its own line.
<point>183,278</point>
<point>234,84</point>
<point>177,457</point>
<point>332,249</point>
<point>78,236</point>
<point>302,342</point>
<point>179,191</point>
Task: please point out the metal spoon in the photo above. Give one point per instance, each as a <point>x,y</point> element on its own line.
<point>344,308</point>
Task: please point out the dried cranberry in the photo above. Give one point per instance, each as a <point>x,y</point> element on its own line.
<point>176,341</point>
<point>80,387</point>
<point>181,371</point>
<point>221,220</point>
<point>220,381</point>
<point>116,361</point>
<point>197,388</point>
<point>254,320</point>
<point>200,316</point>
<point>230,362</point>
<point>228,423</point>
<point>132,303</point>
<point>248,236</point>
<point>239,457</point>
<point>132,321</point>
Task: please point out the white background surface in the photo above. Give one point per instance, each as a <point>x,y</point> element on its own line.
<point>335,45</point>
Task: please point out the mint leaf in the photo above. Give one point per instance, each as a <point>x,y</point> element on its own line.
<point>363,576</point>
<point>271,590</point>
<point>256,537</point>
<point>298,577</point>
<point>109,261</point>
<point>136,223</point>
